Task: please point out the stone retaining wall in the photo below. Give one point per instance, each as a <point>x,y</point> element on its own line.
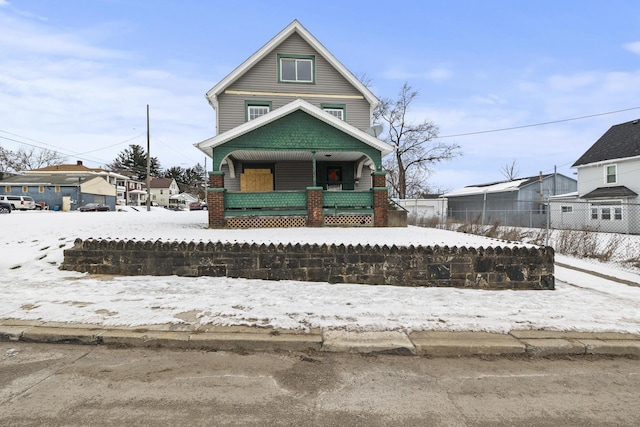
<point>478,268</point>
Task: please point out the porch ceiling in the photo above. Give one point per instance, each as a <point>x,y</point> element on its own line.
<point>321,156</point>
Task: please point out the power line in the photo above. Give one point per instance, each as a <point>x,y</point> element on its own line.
<point>539,124</point>
<point>62,151</point>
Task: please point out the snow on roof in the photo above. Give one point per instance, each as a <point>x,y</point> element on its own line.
<point>498,187</point>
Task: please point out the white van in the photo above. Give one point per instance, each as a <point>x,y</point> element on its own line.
<point>22,203</point>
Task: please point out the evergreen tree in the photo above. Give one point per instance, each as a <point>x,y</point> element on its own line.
<point>134,160</point>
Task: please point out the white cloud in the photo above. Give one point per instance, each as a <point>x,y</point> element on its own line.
<point>573,82</point>
<point>633,47</point>
<point>491,99</point>
<point>436,74</point>
<point>24,38</point>
<point>4,3</point>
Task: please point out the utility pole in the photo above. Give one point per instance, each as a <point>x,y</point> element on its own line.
<point>148,164</point>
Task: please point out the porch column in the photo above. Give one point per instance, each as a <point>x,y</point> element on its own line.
<point>215,200</point>
<point>380,200</point>
<point>315,217</point>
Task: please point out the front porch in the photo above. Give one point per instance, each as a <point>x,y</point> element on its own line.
<point>311,207</point>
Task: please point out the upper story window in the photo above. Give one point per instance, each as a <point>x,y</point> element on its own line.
<point>611,174</point>
<point>296,68</point>
<point>337,110</point>
<point>255,109</point>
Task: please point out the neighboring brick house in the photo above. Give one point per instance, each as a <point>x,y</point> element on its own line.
<point>608,184</point>
<point>162,189</point>
<point>295,143</point>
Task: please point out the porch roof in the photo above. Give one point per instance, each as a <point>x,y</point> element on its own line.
<point>208,145</point>
<point>619,191</point>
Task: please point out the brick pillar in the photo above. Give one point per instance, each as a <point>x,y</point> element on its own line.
<point>380,200</point>
<point>215,200</point>
<point>315,217</point>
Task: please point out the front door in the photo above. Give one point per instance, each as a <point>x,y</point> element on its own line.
<point>256,180</point>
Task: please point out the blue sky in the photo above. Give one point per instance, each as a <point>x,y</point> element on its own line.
<point>76,75</point>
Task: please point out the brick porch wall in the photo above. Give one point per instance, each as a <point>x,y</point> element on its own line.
<point>315,217</point>
<point>215,200</point>
<point>380,200</point>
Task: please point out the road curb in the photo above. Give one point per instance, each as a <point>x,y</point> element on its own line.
<point>247,339</point>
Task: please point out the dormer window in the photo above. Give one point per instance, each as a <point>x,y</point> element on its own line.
<point>255,109</point>
<point>611,174</point>
<point>296,68</point>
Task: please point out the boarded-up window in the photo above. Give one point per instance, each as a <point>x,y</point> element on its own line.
<point>256,180</point>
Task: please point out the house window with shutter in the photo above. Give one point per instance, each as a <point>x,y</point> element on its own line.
<point>296,68</point>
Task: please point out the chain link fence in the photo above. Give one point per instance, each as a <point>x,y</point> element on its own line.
<point>602,230</point>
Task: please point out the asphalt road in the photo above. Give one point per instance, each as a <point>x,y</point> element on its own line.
<point>74,385</point>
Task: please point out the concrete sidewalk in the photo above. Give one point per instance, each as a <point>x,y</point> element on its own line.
<point>250,339</point>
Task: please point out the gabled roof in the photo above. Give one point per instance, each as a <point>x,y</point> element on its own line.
<point>160,182</point>
<point>617,192</point>
<point>298,104</point>
<point>78,167</point>
<point>61,179</point>
<point>294,27</point>
<point>621,141</point>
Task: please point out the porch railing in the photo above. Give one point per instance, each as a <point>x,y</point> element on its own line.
<point>347,202</point>
<point>266,203</point>
<point>295,202</point>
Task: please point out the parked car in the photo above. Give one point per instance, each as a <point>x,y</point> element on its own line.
<point>94,207</point>
<point>195,206</point>
<point>23,203</point>
<point>5,208</point>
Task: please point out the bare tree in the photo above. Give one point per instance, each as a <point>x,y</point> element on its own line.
<point>28,159</point>
<point>510,170</point>
<point>415,145</point>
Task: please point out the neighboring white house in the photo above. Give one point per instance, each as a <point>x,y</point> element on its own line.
<point>162,189</point>
<point>608,185</point>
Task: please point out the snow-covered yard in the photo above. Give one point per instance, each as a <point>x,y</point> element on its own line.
<point>32,287</point>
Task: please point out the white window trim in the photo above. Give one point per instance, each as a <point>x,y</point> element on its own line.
<point>332,111</point>
<point>606,173</point>
<point>296,61</point>
<point>611,205</point>
<point>257,107</point>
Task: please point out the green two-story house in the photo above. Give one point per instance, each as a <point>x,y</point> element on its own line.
<point>295,145</point>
